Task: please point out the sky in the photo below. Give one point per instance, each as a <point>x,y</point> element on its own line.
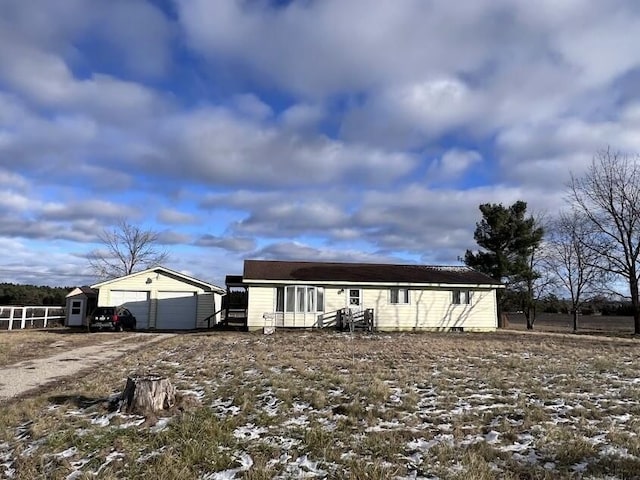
<point>337,130</point>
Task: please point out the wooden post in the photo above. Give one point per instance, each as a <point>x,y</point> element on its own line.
<point>10,318</point>
<point>23,324</point>
<point>147,394</point>
<point>46,314</point>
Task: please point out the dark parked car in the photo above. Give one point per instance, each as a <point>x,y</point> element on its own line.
<point>115,318</point>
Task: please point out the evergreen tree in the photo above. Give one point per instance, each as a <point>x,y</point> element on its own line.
<point>507,239</point>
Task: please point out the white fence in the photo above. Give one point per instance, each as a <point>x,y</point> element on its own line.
<point>14,317</point>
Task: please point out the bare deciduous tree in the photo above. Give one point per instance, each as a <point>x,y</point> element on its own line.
<point>534,281</point>
<point>573,261</point>
<point>127,248</point>
<point>608,194</point>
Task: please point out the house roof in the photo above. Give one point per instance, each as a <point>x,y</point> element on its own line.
<point>266,270</point>
<point>167,271</point>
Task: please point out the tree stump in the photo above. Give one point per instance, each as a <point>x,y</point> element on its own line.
<point>147,394</point>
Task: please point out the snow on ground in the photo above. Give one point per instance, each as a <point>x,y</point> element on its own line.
<point>515,412</point>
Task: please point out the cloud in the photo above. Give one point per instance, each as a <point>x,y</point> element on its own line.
<point>176,217</point>
<point>86,209</point>
<point>292,218</point>
<point>453,164</point>
<point>229,243</point>
<point>218,147</point>
<point>301,252</point>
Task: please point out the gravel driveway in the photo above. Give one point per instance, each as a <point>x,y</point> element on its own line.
<point>21,377</point>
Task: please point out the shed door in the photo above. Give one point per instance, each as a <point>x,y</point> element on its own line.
<point>176,310</point>
<point>76,313</point>
<point>137,302</point>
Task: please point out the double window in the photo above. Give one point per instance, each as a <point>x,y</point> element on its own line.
<point>299,299</point>
<point>399,296</point>
<point>461,297</point>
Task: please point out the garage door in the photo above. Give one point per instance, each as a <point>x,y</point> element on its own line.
<point>136,302</point>
<point>176,310</point>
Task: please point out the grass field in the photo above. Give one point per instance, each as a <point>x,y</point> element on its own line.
<point>19,345</point>
<point>587,324</point>
<point>327,405</point>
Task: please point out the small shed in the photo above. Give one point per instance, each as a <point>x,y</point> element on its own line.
<point>163,299</point>
<point>79,302</point>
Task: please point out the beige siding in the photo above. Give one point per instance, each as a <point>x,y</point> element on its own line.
<point>431,309</point>
<point>154,282</point>
<point>428,309</point>
<point>260,302</point>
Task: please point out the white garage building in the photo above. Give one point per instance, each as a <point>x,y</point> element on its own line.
<point>163,299</point>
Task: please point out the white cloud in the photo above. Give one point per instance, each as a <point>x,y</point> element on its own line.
<point>176,217</point>
<point>452,164</point>
<point>218,147</point>
<point>229,243</point>
<point>302,252</point>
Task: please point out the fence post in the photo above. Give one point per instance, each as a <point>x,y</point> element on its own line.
<point>23,324</point>
<point>46,314</point>
<point>11,318</point>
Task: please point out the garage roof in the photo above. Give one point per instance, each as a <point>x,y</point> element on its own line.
<point>169,272</point>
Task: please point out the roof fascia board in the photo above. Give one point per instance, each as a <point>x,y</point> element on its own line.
<point>372,284</point>
<point>168,271</point>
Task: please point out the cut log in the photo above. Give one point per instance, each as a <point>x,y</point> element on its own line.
<point>147,394</point>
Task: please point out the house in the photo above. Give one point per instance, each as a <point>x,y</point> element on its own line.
<point>163,299</point>
<point>396,297</point>
<point>79,303</point>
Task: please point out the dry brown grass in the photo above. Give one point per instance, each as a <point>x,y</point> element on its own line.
<point>339,406</point>
<point>19,345</point>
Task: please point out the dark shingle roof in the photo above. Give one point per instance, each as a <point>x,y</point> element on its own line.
<point>361,272</point>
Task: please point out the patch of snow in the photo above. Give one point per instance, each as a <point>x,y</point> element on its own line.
<point>150,455</point>
<point>133,423</point>
<point>302,467</point>
<point>199,394</point>
<point>300,407</point>
<point>103,420</point>
<point>612,451</point>
<point>249,432</point>
<point>492,437</point>
<point>160,425</point>
<point>69,452</point>
<point>246,462</point>
<point>300,421</point>
<point>580,467</point>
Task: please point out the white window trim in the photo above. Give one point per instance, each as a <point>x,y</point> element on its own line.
<point>296,310</point>
<point>408,302</point>
<point>467,292</point>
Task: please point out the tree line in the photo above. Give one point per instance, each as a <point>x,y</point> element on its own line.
<point>589,249</point>
<point>14,294</point>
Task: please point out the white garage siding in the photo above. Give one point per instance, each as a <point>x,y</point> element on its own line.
<point>176,310</point>
<point>172,300</point>
<point>136,301</point>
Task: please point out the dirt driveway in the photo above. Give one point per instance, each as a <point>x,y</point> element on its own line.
<point>21,377</point>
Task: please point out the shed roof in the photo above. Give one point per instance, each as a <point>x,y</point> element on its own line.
<point>167,271</point>
<point>84,290</point>
<point>363,273</point>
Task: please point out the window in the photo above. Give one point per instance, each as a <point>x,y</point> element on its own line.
<point>461,297</point>
<point>399,295</point>
<point>354,297</point>
<point>299,299</point>
<point>75,307</point>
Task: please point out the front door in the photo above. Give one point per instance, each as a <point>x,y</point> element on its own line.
<point>354,300</point>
